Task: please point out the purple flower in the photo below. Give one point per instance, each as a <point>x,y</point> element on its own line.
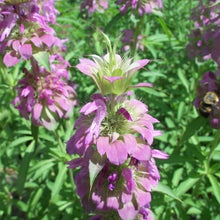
<point>48,10</point>
<point>94,5</point>
<point>143,7</point>
<point>118,131</point>
<point>128,40</point>
<point>44,96</point>
<point>111,73</point>
<point>24,31</point>
<point>205,38</point>
<point>125,190</point>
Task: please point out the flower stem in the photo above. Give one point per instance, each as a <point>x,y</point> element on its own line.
<point>138,27</point>
<point>214,144</point>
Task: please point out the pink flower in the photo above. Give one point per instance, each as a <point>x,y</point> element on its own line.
<point>111,73</point>
<point>128,40</point>
<point>118,189</point>
<point>24,32</point>
<point>94,5</point>
<point>143,7</point>
<point>117,131</point>
<point>45,97</point>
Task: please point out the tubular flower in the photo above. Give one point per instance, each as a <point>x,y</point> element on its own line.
<point>117,192</point>
<point>205,38</point>
<point>208,98</point>
<point>48,10</point>
<point>94,5</point>
<point>44,96</point>
<point>118,127</point>
<point>142,6</point>
<point>24,31</point>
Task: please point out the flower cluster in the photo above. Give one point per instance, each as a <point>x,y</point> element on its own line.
<point>113,138</point>
<point>142,6</point>
<point>94,5</point>
<point>129,41</point>
<point>43,94</point>
<point>205,38</point>
<point>25,31</point>
<point>208,101</point>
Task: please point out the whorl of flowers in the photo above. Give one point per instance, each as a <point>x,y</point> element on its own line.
<point>94,5</point>
<point>205,38</point>
<point>129,40</point>
<point>113,137</point>
<point>24,31</point>
<point>142,6</point>
<point>44,96</point>
<point>207,100</point>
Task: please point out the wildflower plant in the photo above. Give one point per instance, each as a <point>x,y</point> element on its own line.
<point>113,137</point>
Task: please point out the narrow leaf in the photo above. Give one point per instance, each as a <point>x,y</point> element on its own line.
<point>166,190</point>
<point>24,167</point>
<point>185,186</point>
<point>215,186</point>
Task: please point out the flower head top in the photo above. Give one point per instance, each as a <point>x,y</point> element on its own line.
<point>205,38</point>
<point>208,98</point>
<point>142,6</point>
<point>111,73</point>
<point>44,96</point>
<point>48,10</point>
<point>94,5</point>
<point>24,31</point>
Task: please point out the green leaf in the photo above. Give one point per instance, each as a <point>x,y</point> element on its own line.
<point>113,21</point>
<point>186,185</point>
<point>165,28</point>
<point>24,167</point>
<point>177,176</point>
<point>94,169</point>
<point>62,169</point>
<point>215,186</point>
<point>21,140</point>
<point>183,79</point>
<point>193,127</point>
<point>166,190</point>
<point>43,59</point>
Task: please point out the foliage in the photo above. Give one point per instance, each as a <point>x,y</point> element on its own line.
<point>35,181</point>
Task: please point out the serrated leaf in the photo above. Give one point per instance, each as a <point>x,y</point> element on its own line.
<point>215,186</point>
<point>43,59</point>
<point>166,190</point>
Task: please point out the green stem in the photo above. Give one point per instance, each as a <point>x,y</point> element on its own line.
<point>62,148</point>
<point>70,171</point>
<point>214,144</point>
<point>138,27</point>
<point>60,143</point>
<point>35,134</point>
